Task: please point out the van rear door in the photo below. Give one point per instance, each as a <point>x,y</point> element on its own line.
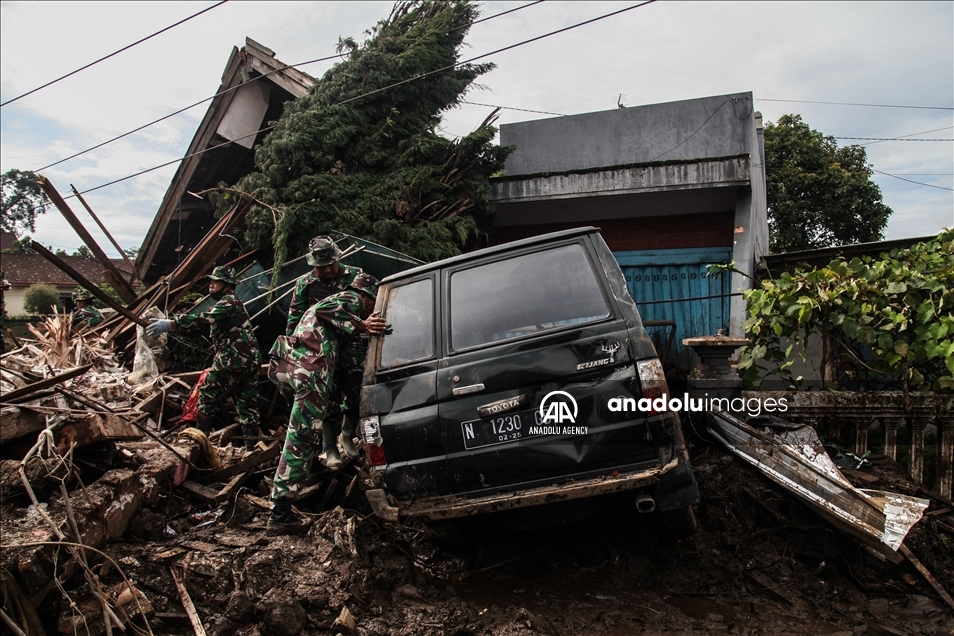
<point>530,329</point>
<point>403,396</point>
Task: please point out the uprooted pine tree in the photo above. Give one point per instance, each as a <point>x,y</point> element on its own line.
<point>360,153</point>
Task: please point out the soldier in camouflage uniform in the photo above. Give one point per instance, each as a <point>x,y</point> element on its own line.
<point>85,312</point>
<point>308,361</point>
<point>328,277</point>
<point>234,370</point>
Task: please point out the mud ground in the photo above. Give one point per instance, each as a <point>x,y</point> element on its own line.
<point>760,563</point>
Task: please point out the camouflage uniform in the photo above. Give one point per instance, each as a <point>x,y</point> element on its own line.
<point>307,362</point>
<point>310,289</point>
<point>234,369</point>
<point>90,314</point>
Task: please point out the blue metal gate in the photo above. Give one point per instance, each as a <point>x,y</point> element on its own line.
<point>676,275</point>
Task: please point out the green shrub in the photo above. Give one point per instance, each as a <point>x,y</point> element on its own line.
<point>40,298</point>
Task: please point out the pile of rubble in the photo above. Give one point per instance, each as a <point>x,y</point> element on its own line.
<point>115,516</point>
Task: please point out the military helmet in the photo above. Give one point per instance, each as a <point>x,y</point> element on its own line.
<point>224,274</point>
<point>81,294</point>
<point>322,251</point>
<point>365,283</point>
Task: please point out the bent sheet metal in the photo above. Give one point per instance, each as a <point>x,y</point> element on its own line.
<point>792,455</point>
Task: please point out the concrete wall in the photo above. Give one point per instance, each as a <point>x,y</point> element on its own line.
<point>687,130</point>
<point>13,298</point>
<point>699,159</point>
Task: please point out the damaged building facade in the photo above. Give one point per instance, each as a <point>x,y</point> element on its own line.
<point>673,187</point>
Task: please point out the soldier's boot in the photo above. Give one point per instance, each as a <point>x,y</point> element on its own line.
<point>332,458</point>
<point>347,437</point>
<point>284,521</point>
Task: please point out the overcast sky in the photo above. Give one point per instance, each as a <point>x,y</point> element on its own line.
<point>894,54</point>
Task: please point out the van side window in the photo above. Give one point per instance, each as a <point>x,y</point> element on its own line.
<point>522,295</point>
<point>410,313</point>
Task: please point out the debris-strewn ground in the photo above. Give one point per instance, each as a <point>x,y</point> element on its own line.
<point>172,538</point>
<point>760,563</point>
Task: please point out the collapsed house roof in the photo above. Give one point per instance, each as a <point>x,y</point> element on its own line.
<point>229,131</point>
<point>28,269</point>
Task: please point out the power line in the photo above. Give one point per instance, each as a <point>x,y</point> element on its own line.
<point>125,48</point>
<point>240,85</point>
<point>373,92</point>
<point>890,139</point>
<point>497,15</point>
<point>184,109</point>
<point>923,132</point>
<point>930,185</point>
<point>506,48</point>
<point>805,101</point>
<point>525,110</point>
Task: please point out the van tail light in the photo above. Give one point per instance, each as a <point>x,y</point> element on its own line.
<point>652,378</point>
<point>370,431</point>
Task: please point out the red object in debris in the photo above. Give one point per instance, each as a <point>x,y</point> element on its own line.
<point>189,412</point>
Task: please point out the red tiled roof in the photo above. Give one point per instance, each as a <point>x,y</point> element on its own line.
<point>28,269</point>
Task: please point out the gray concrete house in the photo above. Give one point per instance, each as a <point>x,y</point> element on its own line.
<point>673,187</point>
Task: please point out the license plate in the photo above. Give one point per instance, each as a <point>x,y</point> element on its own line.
<point>513,427</point>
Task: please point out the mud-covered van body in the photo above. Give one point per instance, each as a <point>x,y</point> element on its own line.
<point>493,388</point>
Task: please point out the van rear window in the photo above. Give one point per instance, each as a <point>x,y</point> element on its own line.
<point>410,314</point>
<point>523,295</point>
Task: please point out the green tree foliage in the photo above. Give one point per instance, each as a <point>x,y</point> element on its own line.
<point>819,195</point>
<point>84,251</point>
<point>21,246</point>
<point>886,318</point>
<point>40,298</point>
<point>344,157</point>
<point>23,201</point>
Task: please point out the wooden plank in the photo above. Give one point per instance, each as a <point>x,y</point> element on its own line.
<point>30,389</point>
<point>97,427</point>
<point>82,280</point>
<point>927,575</point>
<point>187,604</point>
<point>256,458</point>
<point>230,488</point>
<point>125,290</point>
<point>204,494</point>
<point>79,197</point>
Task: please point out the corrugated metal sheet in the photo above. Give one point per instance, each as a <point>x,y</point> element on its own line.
<point>676,275</point>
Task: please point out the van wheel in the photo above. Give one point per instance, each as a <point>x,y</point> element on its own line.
<point>676,524</point>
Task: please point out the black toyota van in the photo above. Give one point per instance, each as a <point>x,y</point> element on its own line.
<point>499,384</point>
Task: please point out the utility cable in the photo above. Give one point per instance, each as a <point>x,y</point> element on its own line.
<point>501,50</point>
<point>805,101</point>
<point>125,48</point>
<point>283,68</point>
<point>923,132</point>
<point>184,109</point>
<point>373,92</point>
<point>890,139</point>
<point>524,110</point>
<point>930,185</point>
